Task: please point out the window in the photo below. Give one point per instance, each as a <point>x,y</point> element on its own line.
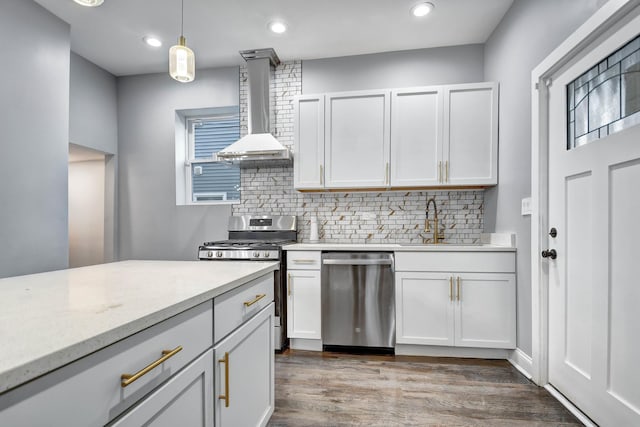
<point>206,132</point>
<point>606,98</point>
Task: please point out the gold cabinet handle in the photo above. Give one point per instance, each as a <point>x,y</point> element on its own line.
<point>439,171</point>
<point>289,284</point>
<point>386,174</point>
<point>255,300</point>
<point>167,354</point>
<point>225,396</point>
<point>458,280</point>
<point>451,288</point>
<point>446,168</point>
<point>304,261</point>
<point>321,175</point>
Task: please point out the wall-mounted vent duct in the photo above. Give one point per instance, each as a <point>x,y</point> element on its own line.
<point>259,147</point>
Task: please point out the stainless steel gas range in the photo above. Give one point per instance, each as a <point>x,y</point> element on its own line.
<point>259,238</point>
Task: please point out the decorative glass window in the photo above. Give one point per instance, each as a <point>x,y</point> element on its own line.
<point>209,181</point>
<point>605,99</point>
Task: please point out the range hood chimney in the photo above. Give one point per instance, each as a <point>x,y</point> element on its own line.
<point>259,147</point>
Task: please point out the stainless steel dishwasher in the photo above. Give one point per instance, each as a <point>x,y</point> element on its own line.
<point>358,304</point>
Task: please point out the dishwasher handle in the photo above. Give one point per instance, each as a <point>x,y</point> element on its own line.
<point>380,261</point>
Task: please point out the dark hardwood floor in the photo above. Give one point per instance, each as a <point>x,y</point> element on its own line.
<point>331,389</point>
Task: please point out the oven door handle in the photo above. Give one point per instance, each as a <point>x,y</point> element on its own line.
<point>381,261</point>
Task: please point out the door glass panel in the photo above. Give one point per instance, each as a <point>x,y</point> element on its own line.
<point>606,98</point>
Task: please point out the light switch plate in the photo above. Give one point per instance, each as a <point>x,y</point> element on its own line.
<point>526,206</point>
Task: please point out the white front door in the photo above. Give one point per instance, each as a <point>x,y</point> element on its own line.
<point>594,205</point>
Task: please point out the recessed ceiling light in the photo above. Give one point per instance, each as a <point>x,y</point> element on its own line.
<point>89,3</point>
<point>277,27</point>
<point>422,9</point>
<point>152,41</point>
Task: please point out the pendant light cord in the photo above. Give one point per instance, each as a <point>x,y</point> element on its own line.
<point>182,20</point>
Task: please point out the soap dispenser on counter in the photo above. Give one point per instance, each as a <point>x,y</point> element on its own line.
<point>313,234</point>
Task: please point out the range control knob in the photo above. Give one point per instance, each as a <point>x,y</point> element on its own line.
<point>209,254</point>
<point>266,254</point>
<point>219,254</point>
<point>256,254</point>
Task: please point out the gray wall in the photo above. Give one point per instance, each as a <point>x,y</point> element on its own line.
<point>529,31</point>
<point>93,123</point>
<point>421,67</point>
<point>34,112</point>
<point>92,106</point>
<point>151,226</point>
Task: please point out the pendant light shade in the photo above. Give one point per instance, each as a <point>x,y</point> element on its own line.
<point>182,60</point>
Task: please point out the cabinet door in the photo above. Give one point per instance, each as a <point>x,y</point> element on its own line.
<point>471,134</point>
<point>357,132</point>
<point>485,310</point>
<point>424,308</point>
<point>308,161</point>
<point>416,137</point>
<point>303,304</point>
<point>185,400</point>
<point>244,377</point>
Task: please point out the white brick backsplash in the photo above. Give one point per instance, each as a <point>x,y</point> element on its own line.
<point>399,215</point>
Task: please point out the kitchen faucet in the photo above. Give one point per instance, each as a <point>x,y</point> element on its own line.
<point>436,235</point>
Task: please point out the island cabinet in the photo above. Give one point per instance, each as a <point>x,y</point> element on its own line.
<point>244,356</point>
<point>180,371</point>
<point>304,320</point>
<point>457,299</point>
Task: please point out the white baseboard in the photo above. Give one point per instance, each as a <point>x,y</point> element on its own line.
<point>439,351</point>
<point>305,344</point>
<point>570,406</point>
<point>522,362</point>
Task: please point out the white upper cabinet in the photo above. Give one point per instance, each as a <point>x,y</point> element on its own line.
<point>416,136</point>
<point>357,133</point>
<point>470,152</point>
<point>437,136</point>
<point>308,160</point>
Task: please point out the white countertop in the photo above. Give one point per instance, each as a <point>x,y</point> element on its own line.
<point>50,319</point>
<point>397,247</point>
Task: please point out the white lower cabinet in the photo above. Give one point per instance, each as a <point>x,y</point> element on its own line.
<point>185,400</point>
<point>456,309</point>
<point>304,304</point>
<point>424,310</point>
<point>244,374</point>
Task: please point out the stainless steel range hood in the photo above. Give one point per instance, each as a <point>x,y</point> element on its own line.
<point>259,147</point>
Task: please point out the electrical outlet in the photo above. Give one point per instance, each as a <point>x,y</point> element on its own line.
<point>526,206</point>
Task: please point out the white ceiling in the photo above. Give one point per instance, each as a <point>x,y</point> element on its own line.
<point>111,35</point>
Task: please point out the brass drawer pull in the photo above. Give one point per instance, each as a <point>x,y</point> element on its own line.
<point>167,354</point>
<point>225,396</point>
<point>255,300</point>
<point>446,167</point>
<point>440,171</point>
<point>451,288</point>
<point>321,175</point>
<point>304,261</point>
<point>458,288</point>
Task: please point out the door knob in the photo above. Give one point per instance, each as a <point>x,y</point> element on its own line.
<point>549,253</point>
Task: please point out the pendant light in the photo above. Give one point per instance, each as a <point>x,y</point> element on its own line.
<point>182,61</point>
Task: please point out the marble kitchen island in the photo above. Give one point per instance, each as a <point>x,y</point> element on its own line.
<point>49,321</point>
